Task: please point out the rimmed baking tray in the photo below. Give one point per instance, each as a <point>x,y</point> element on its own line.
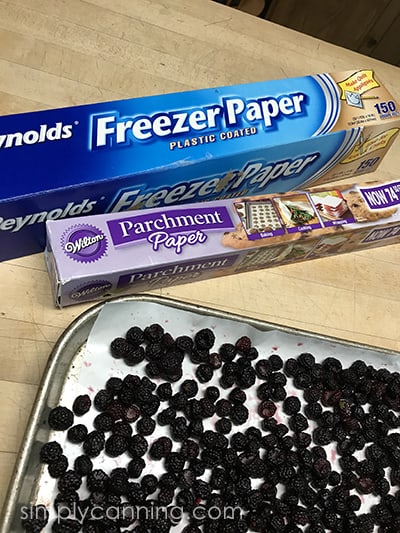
<point>71,343</point>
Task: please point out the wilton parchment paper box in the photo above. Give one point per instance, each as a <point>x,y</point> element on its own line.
<point>100,256</point>
<point>187,147</point>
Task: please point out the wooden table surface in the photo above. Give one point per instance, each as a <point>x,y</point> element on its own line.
<point>67,52</point>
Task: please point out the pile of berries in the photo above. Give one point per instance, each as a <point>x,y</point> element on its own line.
<point>288,446</point>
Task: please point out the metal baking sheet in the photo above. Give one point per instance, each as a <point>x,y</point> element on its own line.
<point>86,342</point>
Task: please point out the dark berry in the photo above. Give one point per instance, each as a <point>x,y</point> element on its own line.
<point>135,467</point>
<point>153,333</point>
<point>266,409</point>
<point>77,434</point>
<point>120,348</point>
<point>102,399</point>
<point>223,425</point>
<point>204,339</point>
<point>58,467</point>
<point>116,445</point>
<point>94,443</point>
<point>81,405</point>
<point>83,465</point>
<point>212,393</point>
<point>291,405</point>
<point>60,418</point>
<point>70,481</point>
<point>174,463</point>
<point>160,448</point>
<point>164,391</point>
<point>50,452</point>
<point>146,426</point>
<point>135,336</point>
<point>243,344</point>
<point>204,372</point>
<point>137,446</point>
<point>189,387</point>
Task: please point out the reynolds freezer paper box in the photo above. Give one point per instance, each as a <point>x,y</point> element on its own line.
<point>100,256</point>
<point>187,147</point>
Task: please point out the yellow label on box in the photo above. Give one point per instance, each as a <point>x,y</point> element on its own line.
<point>360,82</point>
<point>370,145</point>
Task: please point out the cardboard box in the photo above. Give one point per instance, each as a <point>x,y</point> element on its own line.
<point>100,256</point>
<point>187,147</point>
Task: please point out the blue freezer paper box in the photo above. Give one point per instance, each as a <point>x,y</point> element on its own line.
<point>187,147</point>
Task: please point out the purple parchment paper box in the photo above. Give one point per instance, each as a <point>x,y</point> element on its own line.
<point>99,256</point>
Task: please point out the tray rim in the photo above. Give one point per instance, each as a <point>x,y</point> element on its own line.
<point>83,322</point>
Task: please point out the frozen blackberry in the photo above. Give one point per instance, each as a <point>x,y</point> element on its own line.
<point>313,410</point>
<point>251,465</point>
<point>35,518</point>
<point>223,408</point>
<point>97,480</point>
<point>228,352</point>
<point>120,348</point>
<point>266,409</point>
<point>150,407</point>
<point>179,429</point>
<point>153,352</point>
<point>122,428</point>
<point>224,426</point>
<point>102,399</point>
<point>135,467</point>
<point>278,394</point>
<point>77,434</point>
<point>195,428</point>
<point>226,381</point>
<point>149,484</point>
<point>152,370</point>
<point>131,413</point>
<point>160,448</point>
<point>189,387</point>
<point>212,393</point>
<point>70,481</point>
<point>83,465</point>
<point>58,467</point>
<point>136,494</point>
<point>60,418</point>
<point>137,446</point>
<point>243,344</point>
<point>263,369</point>
<point>174,463</point>
<point>291,405</point>
<point>153,333</point>
<point>189,449</point>
<point>178,401</point>
<point>298,422</point>
<point>237,396</point>
<point>214,360</point>
<point>145,426</point>
<point>204,339</point>
<point>239,414</point>
<point>166,417</point>
<point>81,405</point>
<point>50,452</point>
<point>207,407</point>
<point>135,336</point>
<point>204,372</point>
<point>135,356</point>
<point>116,445</point>
<point>276,362</point>
<point>184,343</point>
<point>246,378</point>
<point>322,436</point>
<point>94,443</point>
<point>164,391</point>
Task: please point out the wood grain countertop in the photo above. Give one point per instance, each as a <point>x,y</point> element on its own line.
<point>62,53</point>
